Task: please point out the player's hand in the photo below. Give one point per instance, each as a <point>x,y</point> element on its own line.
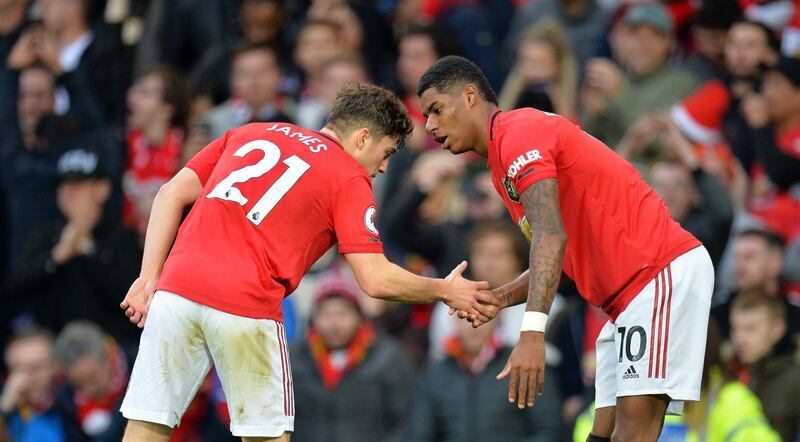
<point>471,297</point>
<point>526,369</point>
<point>501,297</point>
<point>137,301</point>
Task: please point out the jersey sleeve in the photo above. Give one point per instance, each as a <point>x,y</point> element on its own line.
<point>354,217</point>
<point>528,154</point>
<point>204,161</point>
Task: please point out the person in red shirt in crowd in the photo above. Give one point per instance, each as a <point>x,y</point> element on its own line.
<point>259,221</point>
<point>158,103</point>
<point>585,211</point>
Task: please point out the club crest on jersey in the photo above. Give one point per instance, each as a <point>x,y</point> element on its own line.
<point>369,220</point>
<point>511,189</point>
<point>522,161</point>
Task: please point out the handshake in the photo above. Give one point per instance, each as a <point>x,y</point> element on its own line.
<point>473,301</point>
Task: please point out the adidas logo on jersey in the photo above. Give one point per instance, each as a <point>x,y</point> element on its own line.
<point>630,373</point>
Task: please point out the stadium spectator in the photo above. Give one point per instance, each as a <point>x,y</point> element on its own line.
<point>96,371</point>
<point>157,106</point>
<point>31,145</point>
<point>89,260</point>
<point>427,216</point>
<point>28,397</point>
<point>615,98</point>
<point>585,21</point>
<point>694,197</point>
<point>351,383</point>
<point>179,33</point>
<point>255,87</point>
<point>750,45</point>
<point>363,31</point>
<point>467,376</point>
<point>758,257</point>
<point>709,31</point>
<point>774,117</point>
<point>318,42</point>
<point>544,61</point>
<point>260,22</point>
<point>312,110</point>
<point>758,323</point>
<point>419,47</point>
<point>95,52</point>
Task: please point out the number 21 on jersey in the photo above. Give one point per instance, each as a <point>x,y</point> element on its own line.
<point>227,190</point>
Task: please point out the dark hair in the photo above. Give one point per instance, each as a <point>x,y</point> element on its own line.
<point>365,105</point>
<point>454,71</point>
<point>773,240</point>
<point>520,247</point>
<point>440,36</point>
<point>717,16</point>
<point>772,39</point>
<point>174,91</point>
<point>751,300</point>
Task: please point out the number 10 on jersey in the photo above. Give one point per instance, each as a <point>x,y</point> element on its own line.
<point>226,189</point>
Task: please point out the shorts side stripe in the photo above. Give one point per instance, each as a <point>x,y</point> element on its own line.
<point>660,322</point>
<point>653,329</point>
<point>283,367</point>
<point>666,335</point>
<point>290,384</point>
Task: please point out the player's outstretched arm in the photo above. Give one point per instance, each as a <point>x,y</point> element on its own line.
<point>548,241</point>
<point>381,279</point>
<point>165,217</point>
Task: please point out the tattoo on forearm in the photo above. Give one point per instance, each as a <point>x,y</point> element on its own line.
<point>548,242</point>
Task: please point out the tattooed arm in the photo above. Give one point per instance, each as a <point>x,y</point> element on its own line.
<point>548,241</point>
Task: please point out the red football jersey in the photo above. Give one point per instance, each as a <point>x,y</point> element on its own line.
<point>619,233</point>
<point>275,198</point>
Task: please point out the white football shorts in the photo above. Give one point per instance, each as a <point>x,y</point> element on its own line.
<point>657,344</point>
<point>180,341</point>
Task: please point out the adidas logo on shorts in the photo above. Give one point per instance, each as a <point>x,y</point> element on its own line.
<point>630,373</point>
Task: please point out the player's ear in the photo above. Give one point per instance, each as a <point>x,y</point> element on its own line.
<point>471,95</point>
<point>364,138</point>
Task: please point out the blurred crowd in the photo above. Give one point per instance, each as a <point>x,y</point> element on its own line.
<point>102,101</point>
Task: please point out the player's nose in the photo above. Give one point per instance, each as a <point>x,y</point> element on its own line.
<point>384,166</point>
<point>430,125</point>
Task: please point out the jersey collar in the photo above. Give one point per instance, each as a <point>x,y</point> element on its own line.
<point>330,138</point>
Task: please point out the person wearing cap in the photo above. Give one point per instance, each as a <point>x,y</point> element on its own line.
<point>351,382</point>
<point>615,98</point>
<point>78,268</point>
<point>774,117</point>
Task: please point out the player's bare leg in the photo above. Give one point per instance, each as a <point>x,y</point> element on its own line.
<point>603,425</point>
<point>639,418</point>
<point>282,438</point>
<point>141,431</point>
